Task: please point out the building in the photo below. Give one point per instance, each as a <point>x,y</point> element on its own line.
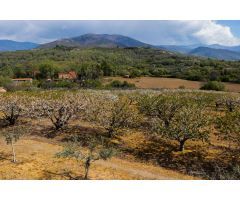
<point>22,80</point>
<point>72,75</point>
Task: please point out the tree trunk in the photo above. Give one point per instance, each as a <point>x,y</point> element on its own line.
<point>181,145</point>
<point>58,125</point>
<point>87,166</point>
<point>166,123</point>
<point>13,152</point>
<point>12,121</point>
<point>110,132</point>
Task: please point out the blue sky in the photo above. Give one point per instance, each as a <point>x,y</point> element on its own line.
<point>234,25</point>
<point>153,32</point>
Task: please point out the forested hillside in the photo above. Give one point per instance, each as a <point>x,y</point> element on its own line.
<point>115,61</point>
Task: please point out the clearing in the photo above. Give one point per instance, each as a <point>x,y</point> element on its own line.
<point>168,83</point>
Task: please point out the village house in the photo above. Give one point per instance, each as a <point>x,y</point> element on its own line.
<point>71,75</point>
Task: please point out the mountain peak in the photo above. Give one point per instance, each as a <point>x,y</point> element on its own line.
<point>97,40</point>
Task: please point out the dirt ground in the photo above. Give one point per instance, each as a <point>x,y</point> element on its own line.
<point>36,160</point>
<point>169,83</point>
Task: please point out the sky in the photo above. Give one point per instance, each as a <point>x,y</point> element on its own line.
<point>156,32</point>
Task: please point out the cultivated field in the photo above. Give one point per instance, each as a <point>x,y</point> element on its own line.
<point>122,134</point>
<point>36,160</point>
<point>169,83</point>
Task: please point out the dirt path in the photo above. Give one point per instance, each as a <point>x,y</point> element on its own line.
<point>37,160</point>
<point>138,172</point>
<point>134,169</point>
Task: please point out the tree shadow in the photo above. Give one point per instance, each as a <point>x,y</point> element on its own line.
<point>3,123</point>
<point>85,135</point>
<point>45,131</point>
<point>195,162</point>
<point>66,133</point>
<point>4,156</point>
<point>50,175</point>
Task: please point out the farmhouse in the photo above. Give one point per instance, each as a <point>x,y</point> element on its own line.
<point>72,75</point>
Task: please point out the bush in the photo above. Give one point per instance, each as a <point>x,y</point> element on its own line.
<point>135,73</point>
<point>20,87</point>
<point>92,84</point>
<point>120,85</point>
<point>213,85</point>
<point>57,84</point>
<point>4,81</point>
<point>158,72</point>
<point>182,87</point>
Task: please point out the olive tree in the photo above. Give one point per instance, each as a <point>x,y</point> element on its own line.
<point>12,107</point>
<point>228,126</point>
<point>176,116</point>
<point>162,107</point>
<point>59,110</point>
<point>12,135</point>
<point>231,103</point>
<point>190,123</point>
<point>86,156</point>
<point>114,113</point>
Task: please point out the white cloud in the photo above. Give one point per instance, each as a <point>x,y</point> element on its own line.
<point>209,32</point>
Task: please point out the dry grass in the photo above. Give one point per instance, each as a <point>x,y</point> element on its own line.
<point>169,83</point>
<point>140,156</point>
<point>36,160</point>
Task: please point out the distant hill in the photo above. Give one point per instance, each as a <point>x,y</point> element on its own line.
<point>9,45</point>
<point>179,48</point>
<point>97,40</point>
<point>209,51</point>
<point>231,48</point>
<point>215,51</point>
<point>221,54</point>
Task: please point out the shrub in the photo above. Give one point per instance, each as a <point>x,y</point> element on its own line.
<point>135,73</point>
<point>57,84</point>
<point>158,72</point>
<point>88,157</point>
<point>4,81</point>
<point>92,83</point>
<point>12,135</point>
<point>20,87</point>
<point>213,85</point>
<point>182,87</point>
<point>120,85</point>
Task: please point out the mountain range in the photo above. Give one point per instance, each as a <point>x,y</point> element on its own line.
<point>215,51</point>
<point>220,54</point>
<point>9,45</point>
